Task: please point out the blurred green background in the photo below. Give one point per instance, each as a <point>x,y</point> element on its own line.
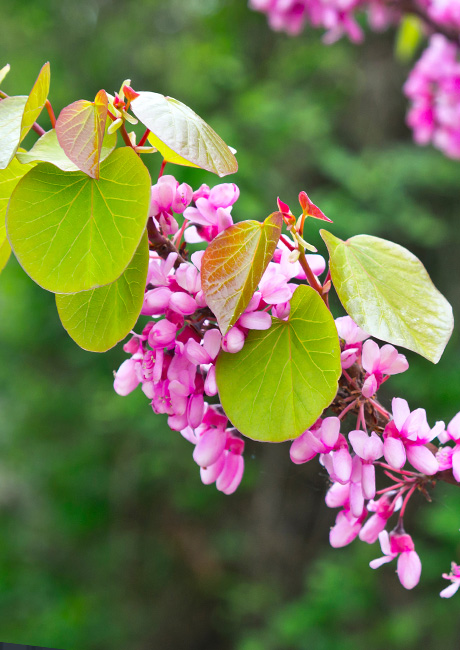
<point>108,539</point>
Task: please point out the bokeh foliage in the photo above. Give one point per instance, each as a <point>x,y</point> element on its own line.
<point>108,539</point>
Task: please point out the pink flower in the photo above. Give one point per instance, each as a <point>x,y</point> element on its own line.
<point>353,336</point>
<point>326,440</point>
<point>380,362</point>
<point>168,197</point>
<point>212,213</point>
<point>409,566</point>
<point>406,436</point>
<point>452,433</point>
<point>454,577</point>
<point>383,509</point>
<point>346,528</point>
<point>369,449</point>
<point>126,378</point>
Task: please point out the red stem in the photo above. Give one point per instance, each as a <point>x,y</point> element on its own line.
<point>51,114</point>
<point>162,168</point>
<point>287,243</point>
<point>143,140</point>
<point>348,408</point>
<point>311,277</point>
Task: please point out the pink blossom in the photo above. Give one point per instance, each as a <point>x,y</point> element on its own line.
<point>451,456</point>
<point>353,336</point>
<point>380,362</point>
<point>369,449</point>
<point>212,213</point>
<point>407,435</point>
<point>330,443</point>
<point>168,197</point>
<point>346,528</point>
<point>454,577</point>
<point>383,509</point>
<point>409,566</point>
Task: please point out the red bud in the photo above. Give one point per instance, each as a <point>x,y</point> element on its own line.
<point>310,209</point>
<point>130,94</point>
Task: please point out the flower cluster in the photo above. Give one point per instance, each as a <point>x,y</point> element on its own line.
<point>174,361</point>
<point>337,17</point>
<point>433,88</point>
<point>174,356</point>
<point>351,458</point>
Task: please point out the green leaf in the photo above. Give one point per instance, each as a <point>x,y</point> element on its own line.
<point>80,130</point>
<point>181,136</point>
<point>387,292</point>
<point>409,35</point>
<point>98,319</point>
<point>9,178</point>
<point>281,381</point>
<point>233,265</point>
<point>48,149</point>
<point>11,111</point>
<point>36,100</point>
<point>72,233</point>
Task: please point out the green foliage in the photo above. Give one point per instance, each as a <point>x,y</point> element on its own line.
<point>9,178</point>
<point>74,233</point>
<point>181,136</point>
<point>284,377</point>
<point>233,265</point>
<point>98,319</point>
<point>389,294</point>
<point>35,101</point>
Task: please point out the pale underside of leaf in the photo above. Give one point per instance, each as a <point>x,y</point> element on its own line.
<point>183,132</point>
<point>11,111</point>
<point>233,265</point>
<point>48,149</point>
<point>36,100</point>
<point>283,378</point>
<point>72,233</point>
<point>98,319</point>
<point>389,294</point>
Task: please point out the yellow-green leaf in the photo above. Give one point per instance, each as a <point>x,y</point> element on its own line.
<point>234,263</point>
<point>73,233</point>
<point>389,294</point>
<point>36,100</point>
<point>80,130</point>
<point>9,178</point>
<point>98,319</point>
<point>281,381</point>
<point>181,136</point>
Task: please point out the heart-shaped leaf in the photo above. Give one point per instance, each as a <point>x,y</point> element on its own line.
<point>387,291</point>
<point>284,377</point>
<point>80,130</point>
<point>36,100</point>
<point>98,319</point>
<point>181,136</point>
<point>9,178</point>
<point>11,112</point>
<point>234,263</point>
<point>72,233</point>
<point>48,149</point>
